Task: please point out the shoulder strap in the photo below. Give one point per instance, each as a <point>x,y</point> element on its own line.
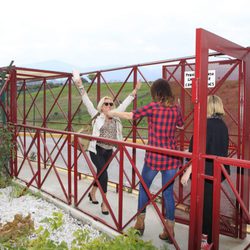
<point>94,117</point>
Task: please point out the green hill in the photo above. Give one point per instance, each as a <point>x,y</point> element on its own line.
<point>56,104</point>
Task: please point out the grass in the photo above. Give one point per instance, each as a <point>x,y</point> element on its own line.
<point>58,113</point>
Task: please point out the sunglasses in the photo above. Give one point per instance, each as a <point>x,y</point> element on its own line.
<point>108,103</point>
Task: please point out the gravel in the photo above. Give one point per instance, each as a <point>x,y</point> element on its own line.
<point>39,210</point>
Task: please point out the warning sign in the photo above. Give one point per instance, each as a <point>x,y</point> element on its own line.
<point>191,74</point>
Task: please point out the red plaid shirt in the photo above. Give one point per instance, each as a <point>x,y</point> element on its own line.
<point>162,122</point>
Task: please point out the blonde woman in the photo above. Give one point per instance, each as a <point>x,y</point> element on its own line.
<point>106,127</point>
<point>216,144</point>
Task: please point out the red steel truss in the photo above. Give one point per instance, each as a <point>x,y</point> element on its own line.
<point>56,150</point>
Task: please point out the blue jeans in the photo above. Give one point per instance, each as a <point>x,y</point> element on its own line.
<point>148,176</point>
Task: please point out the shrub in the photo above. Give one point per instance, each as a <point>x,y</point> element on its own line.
<point>6,149</point>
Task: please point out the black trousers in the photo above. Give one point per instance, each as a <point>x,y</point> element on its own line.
<point>208,210</point>
<point>100,159</point>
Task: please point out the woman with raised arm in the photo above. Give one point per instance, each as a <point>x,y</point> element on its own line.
<point>106,127</point>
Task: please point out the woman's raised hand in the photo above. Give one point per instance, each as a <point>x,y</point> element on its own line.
<point>77,78</point>
<point>137,87</point>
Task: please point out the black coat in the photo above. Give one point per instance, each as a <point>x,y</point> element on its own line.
<point>217,142</point>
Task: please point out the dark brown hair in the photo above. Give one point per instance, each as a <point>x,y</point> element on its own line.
<point>161,92</point>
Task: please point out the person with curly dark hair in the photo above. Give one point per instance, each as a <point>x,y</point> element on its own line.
<point>164,117</point>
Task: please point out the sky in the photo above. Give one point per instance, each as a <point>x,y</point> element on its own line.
<point>103,33</point>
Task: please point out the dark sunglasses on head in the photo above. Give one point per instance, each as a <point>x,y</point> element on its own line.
<point>108,103</point>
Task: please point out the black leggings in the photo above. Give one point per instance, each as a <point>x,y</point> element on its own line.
<point>101,157</point>
<point>208,210</point>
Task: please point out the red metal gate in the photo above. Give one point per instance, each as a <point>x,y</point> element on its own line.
<point>206,41</point>
<point>54,152</point>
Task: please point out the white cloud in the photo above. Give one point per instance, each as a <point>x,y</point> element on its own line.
<point>88,33</point>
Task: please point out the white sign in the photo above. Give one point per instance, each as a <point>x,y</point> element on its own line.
<point>191,74</point>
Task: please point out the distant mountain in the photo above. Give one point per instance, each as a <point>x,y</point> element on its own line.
<point>118,75</point>
<point>149,72</point>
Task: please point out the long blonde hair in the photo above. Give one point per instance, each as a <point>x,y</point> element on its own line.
<point>214,106</point>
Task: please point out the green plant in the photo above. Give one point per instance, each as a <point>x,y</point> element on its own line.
<point>37,194</point>
<point>17,190</point>
<point>6,150</point>
<point>81,237</point>
<point>43,242</point>
<point>130,241</point>
<point>55,221</point>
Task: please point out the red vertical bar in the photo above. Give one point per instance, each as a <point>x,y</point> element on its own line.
<point>44,122</point>
<point>245,177</point>
<point>216,205</point>
<point>182,102</point>
<point>120,191</point>
<point>69,170</point>
<point>7,90</point>
<point>134,128</point>
<point>70,105</point>
<point>182,133</point>
<point>39,158</point>
<point>75,171</point>
<point>199,98</point>
<point>164,72</point>
<point>240,145</point>
<point>69,141</point>
<point>13,116</point>
<point>240,109</point>
<point>24,115</point>
<point>98,97</point>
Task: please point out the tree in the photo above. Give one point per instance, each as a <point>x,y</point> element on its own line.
<point>84,80</point>
<point>91,77</point>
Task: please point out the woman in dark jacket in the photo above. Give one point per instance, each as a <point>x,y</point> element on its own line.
<point>217,144</point>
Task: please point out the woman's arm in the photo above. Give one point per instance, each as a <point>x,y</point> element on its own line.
<point>186,176</point>
<point>137,87</point>
<point>122,115</point>
<point>123,106</point>
<point>85,98</point>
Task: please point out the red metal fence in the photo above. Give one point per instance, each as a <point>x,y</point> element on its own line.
<point>73,190</point>
<point>44,150</point>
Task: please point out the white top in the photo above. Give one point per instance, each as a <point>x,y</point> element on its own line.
<point>99,121</point>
